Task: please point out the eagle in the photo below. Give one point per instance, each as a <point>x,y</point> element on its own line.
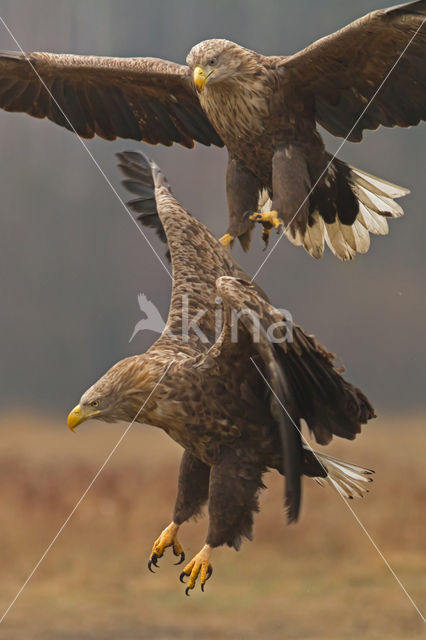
<point>265,109</point>
<point>230,380</point>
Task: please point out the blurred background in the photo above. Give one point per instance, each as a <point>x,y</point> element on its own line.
<point>72,264</point>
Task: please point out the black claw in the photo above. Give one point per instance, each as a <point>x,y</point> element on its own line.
<point>202,587</point>
<point>187,591</point>
<point>182,576</point>
<point>209,573</point>
<point>182,558</point>
<point>247,213</point>
<point>265,238</point>
<point>153,561</point>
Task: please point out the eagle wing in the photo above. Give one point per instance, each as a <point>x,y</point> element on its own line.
<point>242,298</point>
<point>344,70</point>
<point>140,98</point>
<point>304,380</point>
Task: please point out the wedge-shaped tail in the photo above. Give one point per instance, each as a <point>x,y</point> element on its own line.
<point>376,203</point>
<point>349,479</point>
<point>345,206</point>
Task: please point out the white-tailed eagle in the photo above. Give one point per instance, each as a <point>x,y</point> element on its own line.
<point>235,400</point>
<point>265,109</point>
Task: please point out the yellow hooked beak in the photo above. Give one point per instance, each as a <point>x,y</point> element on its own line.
<point>79,415</point>
<point>200,78</point>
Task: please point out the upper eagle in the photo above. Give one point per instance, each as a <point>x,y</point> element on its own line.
<point>230,380</point>
<point>265,109</point>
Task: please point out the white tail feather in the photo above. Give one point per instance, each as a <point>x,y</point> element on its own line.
<point>336,236</point>
<point>349,479</point>
<point>380,186</point>
<point>362,237</point>
<point>372,221</point>
<point>313,240</point>
<point>265,203</point>
<point>376,204</point>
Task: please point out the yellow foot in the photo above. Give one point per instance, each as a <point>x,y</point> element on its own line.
<point>227,240</point>
<point>268,218</point>
<point>199,565</point>
<point>168,538</point>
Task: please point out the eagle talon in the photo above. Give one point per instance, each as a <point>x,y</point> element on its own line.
<point>168,538</point>
<point>198,567</point>
<point>268,219</point>
<point>227,240</point>
<point>181,559</point>
<point>153,561</point>
<point>265,235</point>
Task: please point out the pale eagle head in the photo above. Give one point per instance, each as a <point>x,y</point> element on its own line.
<point>118,395</point>
<point>220,61</point>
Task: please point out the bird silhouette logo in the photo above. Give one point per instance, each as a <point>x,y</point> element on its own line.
<point>153,320</point>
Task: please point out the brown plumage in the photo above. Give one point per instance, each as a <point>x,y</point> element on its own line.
<point>264,109</point>
<point>213,399</point>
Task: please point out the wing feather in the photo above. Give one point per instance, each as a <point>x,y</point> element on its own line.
<point>306,383</point>
<point>139,98</point>
<point>241,296</point>
<point>344,70</point>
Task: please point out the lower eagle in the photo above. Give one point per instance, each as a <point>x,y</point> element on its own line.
<point>234,400</point>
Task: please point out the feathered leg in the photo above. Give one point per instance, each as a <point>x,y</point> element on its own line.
<point>242,191</point>
<point>193,489</point>
<point>290,187</point>
<point>233,491</point>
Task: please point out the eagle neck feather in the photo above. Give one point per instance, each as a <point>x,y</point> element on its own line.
<point>242,102</point>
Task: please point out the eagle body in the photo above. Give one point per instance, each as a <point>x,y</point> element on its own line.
<point>203,429</point>
<point>234,402</point>
<point>259,118</point>
<point>208,431</point>
<point>265,109</point>
<point>257,114</point>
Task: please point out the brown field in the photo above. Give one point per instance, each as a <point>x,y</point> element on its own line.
<point>319,579</point>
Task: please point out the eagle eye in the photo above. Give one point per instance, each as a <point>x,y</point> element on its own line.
<point>94,404</point>
<point>212,62</point>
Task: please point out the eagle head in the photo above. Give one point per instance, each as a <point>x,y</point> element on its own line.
<point>219,61</point>
<point>118,395</point>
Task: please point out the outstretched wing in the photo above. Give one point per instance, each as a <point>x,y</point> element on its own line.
<point>304,380</point>
<point>140,98</point>
<point>344,70</point>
